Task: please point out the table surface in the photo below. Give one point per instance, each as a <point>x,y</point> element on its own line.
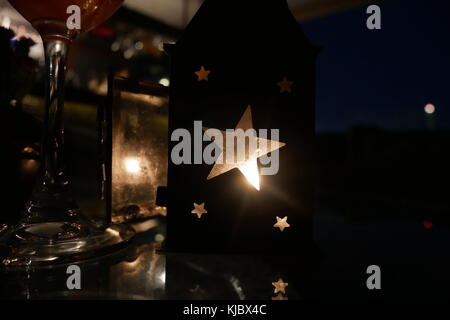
<point>413,260</point>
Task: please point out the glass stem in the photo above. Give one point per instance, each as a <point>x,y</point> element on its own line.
<point>50,200</point>
<point>53,177</point>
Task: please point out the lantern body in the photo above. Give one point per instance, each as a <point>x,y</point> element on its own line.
<point>134,143</point>
<point>248,54</point>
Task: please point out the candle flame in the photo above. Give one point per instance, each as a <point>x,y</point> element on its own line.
<point>132,165</point>
<point>250,170</point>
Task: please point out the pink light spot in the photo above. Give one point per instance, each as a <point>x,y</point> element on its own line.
<point>430,108</point>
<point>428,224</point>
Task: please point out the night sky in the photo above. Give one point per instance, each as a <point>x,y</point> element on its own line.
<point>383,77</point>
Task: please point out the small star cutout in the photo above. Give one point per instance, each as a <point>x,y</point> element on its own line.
<point>281,223</point>
<point>279,297</point>
<point>280,286</point>
<point>197,291</point>
<point>202,74</point>
<point>285,85</point>
<point>199,209</point>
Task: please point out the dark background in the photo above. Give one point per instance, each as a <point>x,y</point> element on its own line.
<point>382,187</point>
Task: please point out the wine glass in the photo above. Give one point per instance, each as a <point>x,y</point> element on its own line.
<point>51,228</point>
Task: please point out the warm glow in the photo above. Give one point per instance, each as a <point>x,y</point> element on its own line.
<point>247,165</point>
<point>143,98</point>
<point>164,82</point>
<point>6,22</point>
<point>162,276</point>
<point>250,170</point>
<point>139,45</point>
<point>429,108</point>
<point>132,165</point>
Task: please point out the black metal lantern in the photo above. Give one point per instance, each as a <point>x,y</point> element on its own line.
<point>133,141</point>
<point>236,68</point>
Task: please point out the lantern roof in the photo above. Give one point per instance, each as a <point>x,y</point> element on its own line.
<point>244,24</point>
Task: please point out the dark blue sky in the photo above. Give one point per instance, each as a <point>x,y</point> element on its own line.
<point>383,77</point>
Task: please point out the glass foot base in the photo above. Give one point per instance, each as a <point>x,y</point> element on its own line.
<point>51,243</point>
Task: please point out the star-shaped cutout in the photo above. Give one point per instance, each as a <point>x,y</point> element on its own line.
<point>202,74</point>
<point>279,297</point>
<point>285,85</point>
<point>248,163</point>
<point>199,209</point>
<point>197,291</point>
<point>280,286</point>
<point>281,223</point>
